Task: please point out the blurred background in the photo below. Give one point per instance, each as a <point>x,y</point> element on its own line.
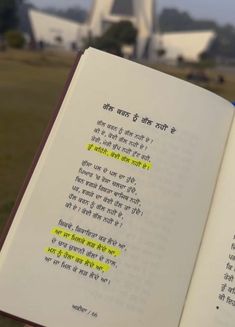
<point>39,41</point>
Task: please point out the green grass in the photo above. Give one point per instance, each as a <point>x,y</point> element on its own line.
<point>30,84</point>
<point>29,89</point>
<point>227,90</point>
<point>4,322</point>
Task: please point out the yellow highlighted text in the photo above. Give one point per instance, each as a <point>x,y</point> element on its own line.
<point>120,156</point>
<point>86,241</point>
<point>80,259</point>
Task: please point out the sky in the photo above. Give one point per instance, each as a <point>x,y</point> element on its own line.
<point>221,11</point>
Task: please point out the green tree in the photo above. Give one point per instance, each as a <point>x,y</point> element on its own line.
<point>8,15</point>
<point>123,32</point>
<point>15,39</point>
<point>172,19</point>
<point>75,13</point>
<point>224,44</point>
<point>222,47</point>
<point>114,37</point>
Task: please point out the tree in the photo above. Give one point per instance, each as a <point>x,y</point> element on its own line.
<point>15,39</point>
<point>8,15</point>
<point>222,47</point>
<point>123,32</point>
<point>115,37</point>
<point>224,44</point>
<point>75,13</point>
<point>104,44</point>
<point>172,19</point>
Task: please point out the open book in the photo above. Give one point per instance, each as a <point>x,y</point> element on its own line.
<point>128,217</point>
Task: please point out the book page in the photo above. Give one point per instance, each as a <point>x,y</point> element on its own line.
<point>109,228</point>
<point>211,300</point>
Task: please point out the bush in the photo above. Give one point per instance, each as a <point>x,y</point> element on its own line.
<point>117,35</point>
<point>15,39</point>
<point>106,44</point>
<point>123,32</point>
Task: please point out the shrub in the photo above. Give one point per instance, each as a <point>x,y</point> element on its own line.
<point>115,36</point>
<point>15,39</point>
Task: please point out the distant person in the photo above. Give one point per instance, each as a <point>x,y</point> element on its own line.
<point>74,46</point>
<point>220,79</point>
<point>41,45</point>
<point>190,76</point>
<point>198,76</point>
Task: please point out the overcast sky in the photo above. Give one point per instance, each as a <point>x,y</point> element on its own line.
<point>222,11</point>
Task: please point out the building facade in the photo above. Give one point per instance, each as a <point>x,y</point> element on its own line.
<point>141,13</point>
<point>57,32</point>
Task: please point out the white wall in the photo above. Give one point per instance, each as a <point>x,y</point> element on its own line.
<point>190,45</point>
<point>47,28</point>
<point>187,44</point>
<point>143,19</point>
<point>100,9</point>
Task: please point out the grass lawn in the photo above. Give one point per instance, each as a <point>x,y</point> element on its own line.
<point>227,90</point>
<point>4,322</point>
<point>30,85</point>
